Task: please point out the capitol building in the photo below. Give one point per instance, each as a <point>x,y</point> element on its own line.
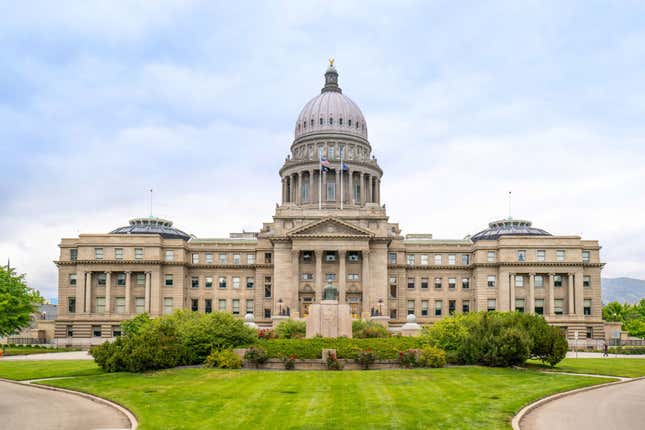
<point>330,227</point>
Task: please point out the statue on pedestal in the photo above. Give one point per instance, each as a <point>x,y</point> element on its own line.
<point>330,292</point>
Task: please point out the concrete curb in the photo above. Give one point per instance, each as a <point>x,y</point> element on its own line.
<point>125,411</point>
<point>515,422</point>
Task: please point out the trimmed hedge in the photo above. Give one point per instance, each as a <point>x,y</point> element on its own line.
<point>628,350</point>
<point>383,348</point>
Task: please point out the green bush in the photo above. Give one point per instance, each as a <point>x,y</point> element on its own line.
<point>256,355</point>
<point>432,356</point>
<point>363,329</point>
<point>409,358</point>
<point>290,362</point>
<point>366,358</point>
<point>333,363</point>
<point>291,329</point>
<point>629,350</point>
<point>224,359</point>
<point>549,345</point>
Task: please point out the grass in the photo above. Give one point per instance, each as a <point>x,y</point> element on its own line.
<point>23,370</point>
<point>626,367</point>
<point>450,398</point>
<point>22,350</point>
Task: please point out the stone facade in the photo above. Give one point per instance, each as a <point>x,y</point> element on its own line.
<point>330,226</point>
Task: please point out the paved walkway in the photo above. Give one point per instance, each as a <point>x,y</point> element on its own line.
<point>24,408</point>
<point>72,355</point>
<point>619,406</point>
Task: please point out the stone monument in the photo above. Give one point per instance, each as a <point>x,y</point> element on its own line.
<point>411,327</point>
<point>329,318</point>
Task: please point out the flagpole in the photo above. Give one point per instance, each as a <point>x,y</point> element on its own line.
<point>341,179</point>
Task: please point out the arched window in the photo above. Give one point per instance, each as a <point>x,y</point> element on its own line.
<point>304,124</point>
<point>331,120</point>
<point>357,123</point>
<point>340,121</point>
<point>312,123</point>
<point>349,122</point>
<point>321,121</point>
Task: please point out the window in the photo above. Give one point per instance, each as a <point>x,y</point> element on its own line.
<point>539,281</point>
<point>353,256</point>
<point>194,282</point>
<point>116,330</point>
<point>452,304</point>
<point>452,283</point>
<point>587,306</point>
<point>221,305</point>
<point>331,189</point>
<point>267,313</point>
<point>465,259</point>
<point>236,306</point>
<point>357,192</point>
<point>236,282</point>
<point>490,257</point>
<point>452,259</point>
<point>237,259</point>
<point>73,254</point>
<point>424,260</point>
<point>96,330</point>
<point>209,258</point>
<point>392,279</point>
<point>208,282</point>
<point>208,306</point>
<point>168,280</point>
<point>559,255</point>
<point>167,305</point>
<point>424,283</point>
<point>71,305</point>
<point>589,332</point>
<point>586,256</point>
<point>119,305</point>
<point>101,278</point>
<point>410,307</point>
<point>249,306</point>
<point>98,253</point>
<point>195,258</point>
<point>70,331</point>
<point>330,256</point>
<point>249,282</point>
<point>194,305</point>
<point>465,306</point>
<point>120,279</point>
<point>304,192</point>
<point>140,278</point>
<point>557,304</point>
<point>250,259</point>
<point>170,255</point>
<point>267,287</point>
<point>267,257</point>
<point>72,279</point>
<point>392,257</point>
<point>393,314</point>
<point>586,281</point>
<point>393,291</point>
<point>540,255</point>
<point>437,308</point>
<point>491,281</point>
<point>410,259</point>
<point>118,253</point>
<point>331,148</point>
<point>138,253</point>
<point>100,305</point>
<point>329,277</point>
<point>222,259</point>
<point>519,281</point>
<point>411,283</point>
<point>424,308</point>
<point>465,283</point>
<point>539,306</point>
<point>491,305</point>
<point>307,276</point>
<point>307,257</point>
<point>437,283</point>
<point>437,259</point>
<point>521,255</point>
<point>519,305</point>
<point>557,280</point>
<point>139,305</point>
<point>222,282</point>
<point>353,277</point>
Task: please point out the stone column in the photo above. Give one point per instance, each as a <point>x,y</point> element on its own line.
<point>128,293</point>
<point>299,188</point>
<point>312,186</point>
<point>338,196</point>
<point>108,292</point>
<point>88,293</point>
<point>324,186</point>
<point>531,304</point>
<point>365,281</point>
<point>511,287</point>
<point>350,187</point>
<point>369,189</point>
<point>551,295</point>
<point>147,292</point>
<point>570,295</point>
<point>363,189</point>
<point>318,281</point>
<point>342,276</point>
<point>284,190</point>
<point>293,300</point>
<point>580,292</point>
<point>377,192</point>
<point>80,293</point>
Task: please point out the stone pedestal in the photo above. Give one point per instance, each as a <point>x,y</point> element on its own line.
<point>329,319</point>
<point>411,328</point>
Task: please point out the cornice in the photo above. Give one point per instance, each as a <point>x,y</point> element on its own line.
<point>472,266</point>
<point>163,263</point>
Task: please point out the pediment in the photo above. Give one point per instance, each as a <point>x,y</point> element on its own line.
<point>330,227</point>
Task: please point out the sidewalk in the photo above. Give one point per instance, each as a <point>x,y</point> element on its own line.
<point>72,355</point>
<point>582,354</point>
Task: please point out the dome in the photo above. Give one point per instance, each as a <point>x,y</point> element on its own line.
<point>152,225</point>
<point>331,111</point>
<point>508,227</point>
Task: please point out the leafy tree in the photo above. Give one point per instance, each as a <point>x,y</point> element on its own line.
<point>17,302</point>
<point>291,329</point>
<point>632,316</point>
<point>613,311</point>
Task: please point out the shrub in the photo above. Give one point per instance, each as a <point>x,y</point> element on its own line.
<point>630,350</point>
<point>363,329</point>
<point>290,362</point>
<point>256,355</point>
<point>366,358</point>
<point>225,359</point>
<point>431,356</point>
<point>408,359</point>
<point>266,334</point>
<point>291,329</point>
<point>333,363</point>
<point>550,346</point>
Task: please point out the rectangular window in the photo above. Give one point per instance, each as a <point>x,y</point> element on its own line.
<point>465,283</point>
<point>452,283</point>
<point>411,283</point>
<point>304,190</point>
<point>589,331</point>
<point>586,281</point>
<point>331,189</point>
<point>118,253</point>
<point>329,277</point>
<point>101,279</point>
<point>491,281</point>
<point>194,282</point>
<point>587,306</point>
<point>138,253</point>
<point>116,330</point>
<point>539,281</point>
<point>194,305</point>
<point>586,256</point>
<point>221,305</point>
<point>465,306</point>
<point>307,276</point>
<point>557,304</point>
<point>267,313</point>
<point>465,259</point>
<point>452,259</point>
<point>393,291</point>
<point>70,331</point>
<point>73,254</point>
<point>424,283</point>
<point>98,253</point>
<point>267,257</point>
<point>237,259</point>
<point>331,152</point>
<point>519,305</point>
<point>208,306</point>
<point>437,259</point>
<point>96,330</point>
<point>392,314</point>
<point>167,305</point>
<point>249,306</point>
<point>452,304</point>
<point>410,259</point>
<point>330,256</point>
<point>236,306</point>
<point>519,281</point>
<point>353,277</point>
<point>120,279</point>
<point>250,259</point>
<point>71,305</point>
<point>119,305</point>
<point>424,260</point>
<point>209,258</point>
<point>170,255</point>
<point>491,305</point>
<point>392,257</point>
<point>168,280</point>
<point>195,258</point>
<point>140,279</point>
<point>222,259</point>
<point>521,255</point>
<point>100,305</point>
<point>72,279</point>
<point>539,306</point>
<point>353,256</point>
<point>139,305</point>
<point>557,280</point>
<point>437,283</point>
<point>540,255</point>
<point>250,281</point>
<point>410,307</point>
<point>437,308</point>
<point>222,282</point>
<point>236,282</point>
<point>490,256</point>
<point>424,308</point>
<point>267,287</point>
<point>208,282</point>
<point>559,255</point>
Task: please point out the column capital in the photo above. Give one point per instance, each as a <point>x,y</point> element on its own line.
<point>108,272</point>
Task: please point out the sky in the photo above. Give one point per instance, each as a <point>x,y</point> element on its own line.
<point>464,101</point>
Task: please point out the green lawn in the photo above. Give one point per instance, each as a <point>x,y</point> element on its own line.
<point>449,398</point>
<point>22,370</point>
<point>626,367</point>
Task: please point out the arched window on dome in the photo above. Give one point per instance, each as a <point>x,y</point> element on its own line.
<point>331,121</point>
<point>304,124</point>
<point>349,122</point>
<point>312,123</point>
<point>321,121</point>
<point>357,123</point>
<point>340,121</point>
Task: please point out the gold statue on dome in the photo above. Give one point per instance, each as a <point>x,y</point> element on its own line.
<point>331,62</point>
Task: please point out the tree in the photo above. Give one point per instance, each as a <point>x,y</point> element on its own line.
<point>17,302</point>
